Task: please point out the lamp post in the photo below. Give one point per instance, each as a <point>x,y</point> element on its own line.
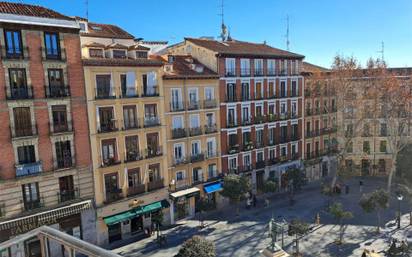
<point>400,197</point>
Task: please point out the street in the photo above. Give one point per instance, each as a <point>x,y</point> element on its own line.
<point>246,234</point>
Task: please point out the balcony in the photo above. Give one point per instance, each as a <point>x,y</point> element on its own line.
<point>259,96</point>
<point>259,119</point>
<point>272,117</point>
<point>197,180</point>
<point>180,160</point>
<point>114,195</point>
<point>20,53</point>
<point>152,121</point>
<point>181,183</point>
<point>195,131</point>
<point>210,103</point>
<point>176,106</point>
<point>133,156</point>
<point>131,124</point>
<point>32,205</point>
<point>230,98</point>
<point>64,163</point>
<point>245,72</point>
<point>152,152</point>
<point>260,144</point>
<point>105,93</point>
<point>109,162</point>
<point>23,131</point>
<point>294,115</point>
<point>60,128</point>
<point>155,184</point>
<point>258,72</point>
<point>272,161</point>
<point>294,93</point>
<point>230,72</point>
<point>107,127</point>
<point>178,133</point>
<point>57,91</point>
<point>248,146</point>
<point>271,72</point>
<point>284,116</point>
<point>68,195</point>
<point>197,157</point>
<point>211,128</point>
<point>233,149</point>
<point>294,137</point>
<point>231,124</point>
<point>54,54</point>
<point>127,93</point>
<point>28,169</point>
<point>283,94</point>
<point>271,142</point>
<point>260,164</point>
<point>245,96</point>
<point>212,154</point>
<point>19,93</point>
<point>193,105</point>
<point>245,168</point>
<point>136,190</point>
<point>246,121</point>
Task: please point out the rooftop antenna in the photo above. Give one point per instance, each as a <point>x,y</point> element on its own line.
<point>382,51</point>
<point>287,33</point>
<point>223,33</point>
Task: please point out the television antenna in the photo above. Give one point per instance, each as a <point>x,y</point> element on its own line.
<point>287,33</point>
<point>223,33</point>
<point>382,51</point>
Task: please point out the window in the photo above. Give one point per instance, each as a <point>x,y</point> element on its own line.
<point>231,117</point>
<point>59,114</point>
<point>244,67</point>
<point>382,165</point>
<point>211,147</point>
<point>231,92</point>
<point>247,139</point>
<point>246,114</point>
<point>141,54</point>
<point>209,93</point>
<point>13,43</point>
<point>18,84</point>
<point>284,133</point>
<point>66,188</point>
<point>132,148</point>
<point>283,92</point>
<point>154,172</point>
<point>233,140</point>
<point>177,122</point>
<point>63,154</point>
<point>96,53</point>
<point>31,196</point>
<point>120,54</point>
<point>271,67</point>
<point>176,104</point>
<point>294,88</point>
<point>295,132</point>
<point>179,152</point>
<point>259,111</point>
<point>383,130</point>
<point>180,175</point>
<point>258,90</point>
<point>51,42</point>
<point>271,136</point>
<point>212,170</point>
<point>56,84</point>
<point>197,174</point>
<point>230,67</point>
<point>283,151</point>
<point>109,151</point>
<point>271,109</point>
<point>150,115</point>
<point>245,91</point>
<point>259,138</point>
<point>382,146</point>
<point>247,160</point>
<point>366,147</point>
<point>22,121</point>
<point>271,89</point>
<point>111,185</point>
<point>133,178</point>
<point>272,154</point>
<point>284,68</point>
<point>283,108</point>
<point>260,157</point>
<point>130,117</point>
<point>193,98</point>
<point>233,164</point>
<point>127,83</point>
<point>195,148</point>
<point>106,118</point>
<point>104,87</point>
<point>258,67</point>
<point>150,84</point>
<point>26,154</point>
<point>194,121</point>
<point>82,26</point>
<point>294,109</point>
<point>210,119</point>
<point>153,148</point>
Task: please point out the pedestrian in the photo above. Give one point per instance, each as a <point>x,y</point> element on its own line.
<point>360,186</point>
<point>254,200</point>
<point>266,202</point>
<point>248,203</point>
<point>347,189</point>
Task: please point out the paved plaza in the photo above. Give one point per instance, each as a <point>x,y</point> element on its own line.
<point>246,234</point>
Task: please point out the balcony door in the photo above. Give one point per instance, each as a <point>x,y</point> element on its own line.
<point>154,172</point>
<point>26,154</point>
<point>132,148</point>
<point>18,83</point>
<point>152,140</point>
<point>66,187</point>
<point>104,86</point>
<point>63,154</point>
<point>109,151</point>
<point>111,184</point>
<point>59,114</point>
<point>31,197</point>
<point>55,81</point>
<point>13,43</point>
<point>176,101</point>
<point>106,118</point>
<point>22,121</point>
<point>231,91</point>
<point>129,116</point>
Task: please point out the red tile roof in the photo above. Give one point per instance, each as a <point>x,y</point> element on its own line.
<point>106,31</point>
<point>139,48</point>
<point>241,48</point>
<point>116,46</point>
<point>311,68</point>
<point>185,66</point>
<point>94,44</point>
<point>31,10</point>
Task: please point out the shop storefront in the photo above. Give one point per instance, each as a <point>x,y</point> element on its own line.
<point>212,192</point>
<point>77,219</point>
<point>137,220</point>
<point>184,203</point>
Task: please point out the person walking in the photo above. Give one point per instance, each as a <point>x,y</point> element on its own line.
<point>360,186</point>
<point>254,201</point>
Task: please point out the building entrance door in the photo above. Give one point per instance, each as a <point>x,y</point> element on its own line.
<point>136,224</point>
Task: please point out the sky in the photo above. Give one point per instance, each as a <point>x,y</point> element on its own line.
<point>318,29</point>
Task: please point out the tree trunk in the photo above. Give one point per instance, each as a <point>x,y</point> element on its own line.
<point>391,172</point>
<point>297,245</point>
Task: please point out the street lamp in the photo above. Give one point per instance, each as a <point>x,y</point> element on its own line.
<point>400,197</point>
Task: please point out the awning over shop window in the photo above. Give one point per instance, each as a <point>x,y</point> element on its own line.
<point>213,187</point>
<point>187,192</point>
<point>136,212</point>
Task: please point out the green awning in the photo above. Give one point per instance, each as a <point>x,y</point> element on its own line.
<point>127,215</point>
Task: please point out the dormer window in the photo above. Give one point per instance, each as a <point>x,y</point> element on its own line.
<point>83,27</point>
<point>96,53</point>
<point>141,54</point>
<point>119,54</point>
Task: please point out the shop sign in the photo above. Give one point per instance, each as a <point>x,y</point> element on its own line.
<point>35,223</point>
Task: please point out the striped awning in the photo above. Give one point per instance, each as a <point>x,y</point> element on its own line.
<point>46,217</point>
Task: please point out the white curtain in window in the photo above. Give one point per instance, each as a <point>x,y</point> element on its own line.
<point>194,121</point>
<point>130,83</point>
<point>151,82</point>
